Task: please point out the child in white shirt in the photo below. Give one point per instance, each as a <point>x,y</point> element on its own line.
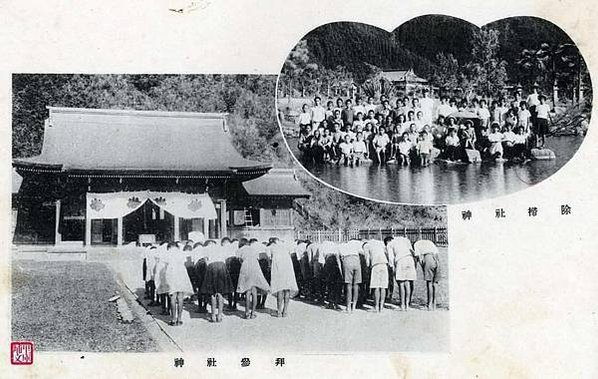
<point>404,150</point>
<point>452,143</point>
<point>424,149</point>
<point>495,138</point>
<point>360,150</point>
<point>523,116</point>
<point>346,151</point>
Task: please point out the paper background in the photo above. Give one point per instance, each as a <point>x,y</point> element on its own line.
<point>524,292</point>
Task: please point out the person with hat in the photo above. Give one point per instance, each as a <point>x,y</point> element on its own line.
<point>517,97</point>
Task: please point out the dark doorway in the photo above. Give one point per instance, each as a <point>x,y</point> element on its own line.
<point>148,219</point>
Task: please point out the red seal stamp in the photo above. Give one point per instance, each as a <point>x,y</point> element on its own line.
<point>21,353</point>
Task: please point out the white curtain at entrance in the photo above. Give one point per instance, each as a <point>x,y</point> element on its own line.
<point>120,204</point>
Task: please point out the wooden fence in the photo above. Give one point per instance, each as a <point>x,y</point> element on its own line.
<point>437,235</point>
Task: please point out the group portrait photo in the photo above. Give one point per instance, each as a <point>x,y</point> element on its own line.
<point>438,111</point>
<point>155,213</point>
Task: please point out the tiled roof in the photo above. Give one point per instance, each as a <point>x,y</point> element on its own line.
<point>100,140</point>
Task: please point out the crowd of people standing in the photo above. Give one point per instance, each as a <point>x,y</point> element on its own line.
<point>414,130</point>
<point>326,273</point>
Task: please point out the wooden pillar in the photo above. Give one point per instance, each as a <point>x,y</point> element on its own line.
<point>87,227</point>
<point>206,228</point>
<point>177,231</point>
<point>57,235</point>
<point>119,231</point>
<point>223,219</point>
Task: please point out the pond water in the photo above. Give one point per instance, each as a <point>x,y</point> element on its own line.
<point>445,184</point>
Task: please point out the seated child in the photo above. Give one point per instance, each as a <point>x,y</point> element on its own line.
<point>337,138</point>
<point>519,149</point>
<point>326,143</point>
<point>367,131</point>
<point>395,139</point>
<point>346,151</point>
<point>413,134</point>
<point>404,150</point>
<point>303,144</point>
<point>360,150</point>
<point>371,118</point>
<point>495,138</point>
<point>429,135</point>
<point>352,134</point>
<point>508,141</point>
<point>470,136</point>
<point>424,149</point>
<point>337,119</point>
<point>452,143</point>
<point>381,142</point>
<point>359,122</point>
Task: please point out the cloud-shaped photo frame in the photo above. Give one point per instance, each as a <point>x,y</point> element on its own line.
<point>438,111</point>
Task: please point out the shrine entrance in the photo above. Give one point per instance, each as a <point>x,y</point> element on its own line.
<point>147,217</point>
<point>149,221</point>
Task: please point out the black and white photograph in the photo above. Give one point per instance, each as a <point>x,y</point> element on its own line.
<point>298,189</point>
<point>164,213</point>
<point>438,111</point>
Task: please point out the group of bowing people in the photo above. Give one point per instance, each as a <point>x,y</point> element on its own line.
<point>248,270</point>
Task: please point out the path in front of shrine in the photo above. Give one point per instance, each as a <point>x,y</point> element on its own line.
<point>308,328</point>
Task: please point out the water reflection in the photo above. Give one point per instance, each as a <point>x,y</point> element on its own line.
<point>446,184</point>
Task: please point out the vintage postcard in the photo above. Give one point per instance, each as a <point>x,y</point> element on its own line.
<point>384,189</point>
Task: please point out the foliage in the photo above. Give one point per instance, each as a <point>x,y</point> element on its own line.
<point>487,72</point>
<point>571,120</point>
<point>252,123</point>
<point>332,209</point>
<point>554,66</point>
<point>302,75</point>
<point>452,53</point>
<point>448,72</point>
<point>357,46</point>
<point>248,99</point>
<point>339,80</point>
<point>378,87</point>
<point>299,70</point>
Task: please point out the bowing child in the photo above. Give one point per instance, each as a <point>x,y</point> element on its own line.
<point>283,282</point>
